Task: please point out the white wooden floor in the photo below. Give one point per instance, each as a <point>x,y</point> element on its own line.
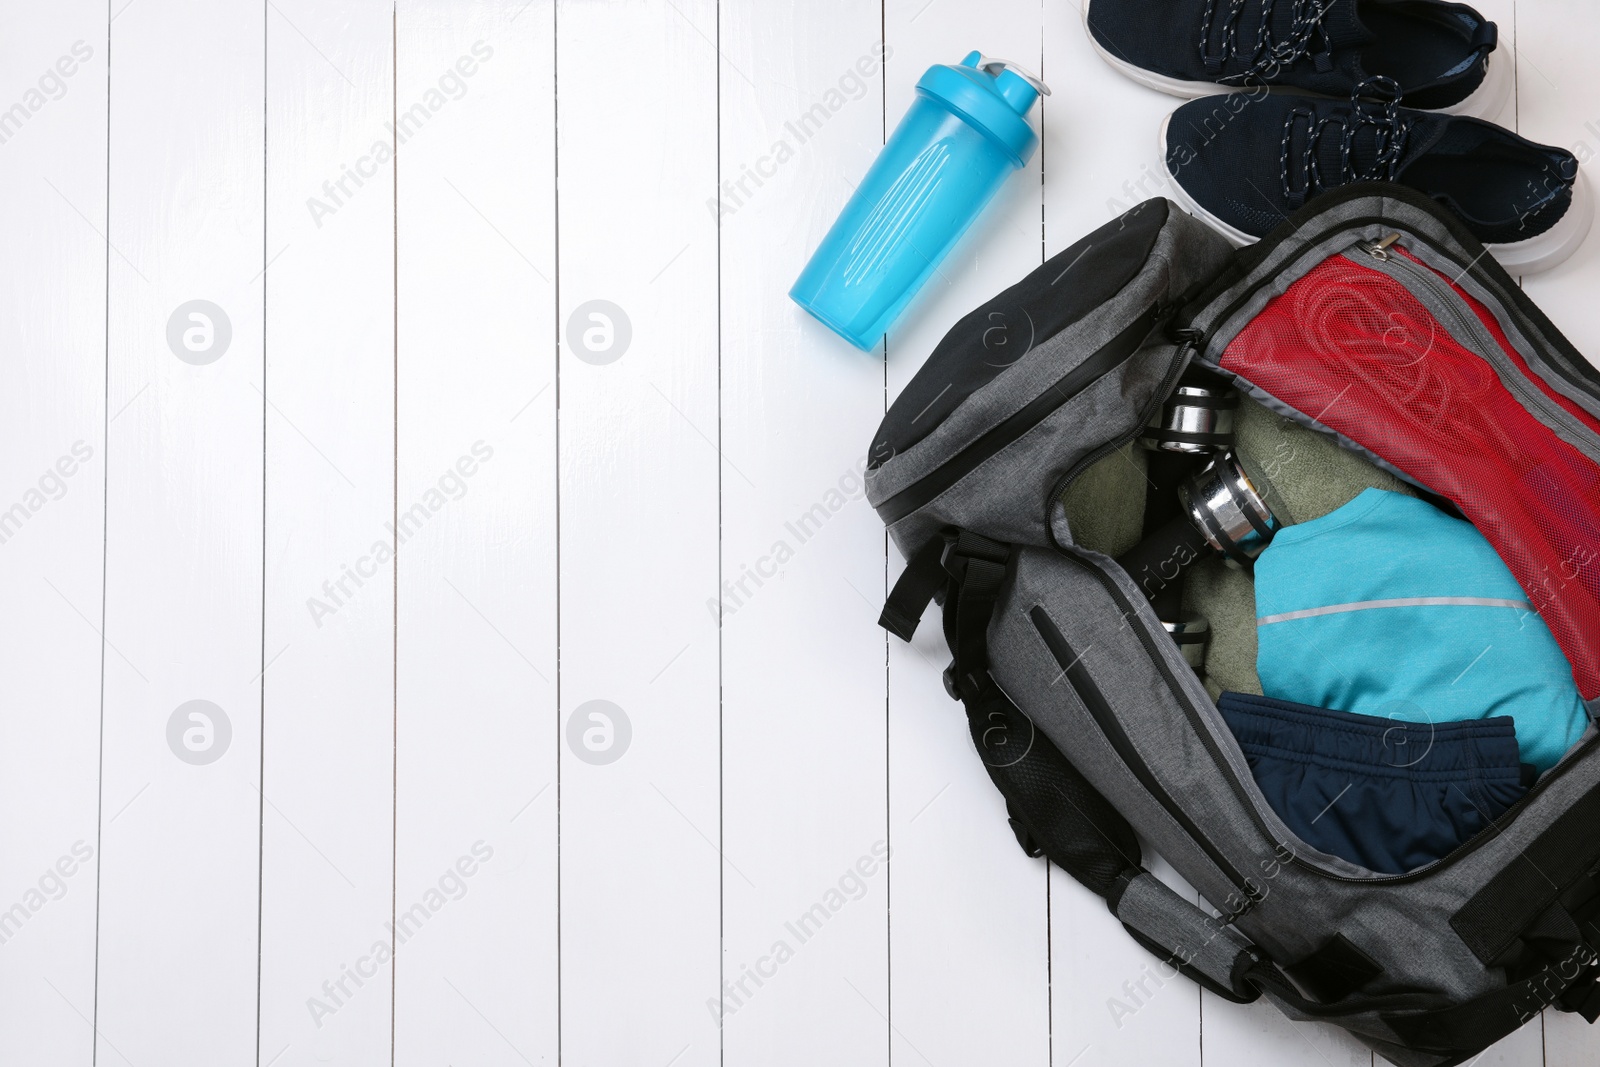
<point>372,604</point>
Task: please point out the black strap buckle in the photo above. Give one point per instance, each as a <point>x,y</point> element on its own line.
<point>951,685</point>
<point>959,687</point>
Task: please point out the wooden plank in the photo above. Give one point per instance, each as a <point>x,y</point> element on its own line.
<point>1521,1047</point>
<point>475,968</point>
<point>328,691</point>
<point>1260,1033</point>
<point>183,608</point>
<point>1100,158</point>
<point>640,819</point>
<point>804,757</point>
<point>1569,1040</point>
<point>52,512</point>
<point>1113,1002</point>
<point>957,865</point>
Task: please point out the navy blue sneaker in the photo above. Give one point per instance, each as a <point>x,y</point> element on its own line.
<point>1438,53</point>
<point>1243,162</point>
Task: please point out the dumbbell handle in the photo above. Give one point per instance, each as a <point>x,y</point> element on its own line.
<point>1157,563</point>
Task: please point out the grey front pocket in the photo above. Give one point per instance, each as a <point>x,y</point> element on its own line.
<point>1030,383</point>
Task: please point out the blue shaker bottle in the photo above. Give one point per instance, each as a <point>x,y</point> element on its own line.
<point>963,136</point>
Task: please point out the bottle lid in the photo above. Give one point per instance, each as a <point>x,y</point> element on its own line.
<point>993,95</point>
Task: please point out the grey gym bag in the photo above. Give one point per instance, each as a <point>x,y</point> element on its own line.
<point>1088,718</point>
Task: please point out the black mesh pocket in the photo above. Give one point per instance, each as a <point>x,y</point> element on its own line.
<point>1053,808</point>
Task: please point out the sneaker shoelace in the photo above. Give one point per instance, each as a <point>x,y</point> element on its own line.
<point>1266,55</point>
<point>1389,133</point>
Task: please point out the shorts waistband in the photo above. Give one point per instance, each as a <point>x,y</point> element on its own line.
<point>1478,749</point>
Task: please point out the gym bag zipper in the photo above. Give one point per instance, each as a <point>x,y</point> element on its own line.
<point>1469,330</point>
<point>1108,356</point>
<point>1586,384</point>
<point>1083,684</point>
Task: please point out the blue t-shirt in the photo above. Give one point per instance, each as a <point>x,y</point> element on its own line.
<point>1389,607</point>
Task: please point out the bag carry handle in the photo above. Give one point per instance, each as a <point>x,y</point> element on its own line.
<point>1223,961</point>
<point>1186,938</point>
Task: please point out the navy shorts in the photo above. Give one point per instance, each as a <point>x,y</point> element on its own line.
<point>1386,794</point>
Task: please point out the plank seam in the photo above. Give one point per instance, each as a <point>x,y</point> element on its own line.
<point>105,541</point>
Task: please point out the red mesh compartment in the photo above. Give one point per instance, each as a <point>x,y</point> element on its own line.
<point>1354,350</point>
<point>1493,326</point>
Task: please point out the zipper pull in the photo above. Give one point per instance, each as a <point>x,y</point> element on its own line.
<point>1379,249</point>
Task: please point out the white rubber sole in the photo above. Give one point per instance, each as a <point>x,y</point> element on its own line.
<point>1484,102</point>
<point>1549,249</point>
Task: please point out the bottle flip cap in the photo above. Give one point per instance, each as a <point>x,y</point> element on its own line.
<point>994,95</point>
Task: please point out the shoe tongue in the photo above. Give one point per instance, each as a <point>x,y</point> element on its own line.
<point>1426,131</point>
